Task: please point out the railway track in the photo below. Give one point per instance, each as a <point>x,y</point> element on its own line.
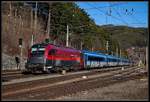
<point>11,75</point>
<point>39,77</point>
<point>10,71</point>
<point>54,87</point>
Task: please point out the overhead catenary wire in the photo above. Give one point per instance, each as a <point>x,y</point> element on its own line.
<point>136,19</point>
<point>113,5</point>
<point>131,15</point>
<point>108,14</point>
<point>105,6</point>
<point>120,15</point>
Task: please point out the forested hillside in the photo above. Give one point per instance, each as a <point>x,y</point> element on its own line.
<point>128,36</point>
<point>19,21</point>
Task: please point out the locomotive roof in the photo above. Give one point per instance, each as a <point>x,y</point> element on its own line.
<point>39,45</point>
<point>46,44</point>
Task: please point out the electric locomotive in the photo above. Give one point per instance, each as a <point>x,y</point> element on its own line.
<point>49,57</point>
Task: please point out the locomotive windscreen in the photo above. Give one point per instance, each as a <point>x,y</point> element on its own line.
<point>37,54</point>
<point>37,50</point>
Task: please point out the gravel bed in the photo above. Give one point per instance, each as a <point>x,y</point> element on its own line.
<point>132,90</point>
<point>40,82</point>
<point>23,85</point>
<point>51,93</point>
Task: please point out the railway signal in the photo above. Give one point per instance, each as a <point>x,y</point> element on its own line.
<point>20,45</point>
<point>67,36</point>
<point>20,42</point>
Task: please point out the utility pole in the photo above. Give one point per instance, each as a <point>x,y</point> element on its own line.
<point>20,40</point>
<point>35,21</point>
<point>31,27</point>
<point>20,57</point>
<point>107,45</point>
<point>106,18</point>
<point>10,18</point>
<point>15,13</point>
<point>112,53</point>
<point>120,57</point>
<point>32,40</point>
<point>116,51</point>
<point>81,44</point>
<point>48,25</point>
<point>120,52</point>
<point>21,53</point>
<point>10,7</point>
<point>67,37</point>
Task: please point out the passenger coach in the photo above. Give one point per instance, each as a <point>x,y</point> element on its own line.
<point>93,59</point>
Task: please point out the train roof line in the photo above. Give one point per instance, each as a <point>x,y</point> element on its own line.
<point>87,51</point>
<point>54,45</point>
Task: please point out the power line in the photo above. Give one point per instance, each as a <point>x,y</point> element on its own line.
<point>131,15</point>
<point>105,6</point>
<point>108,14</point>
<point>120,15</point>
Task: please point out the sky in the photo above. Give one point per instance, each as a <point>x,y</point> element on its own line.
<point>127,13</point>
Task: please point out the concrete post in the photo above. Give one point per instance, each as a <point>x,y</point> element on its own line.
<point>67,37</point>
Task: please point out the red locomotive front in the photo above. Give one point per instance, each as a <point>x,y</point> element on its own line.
<point>49,57</point>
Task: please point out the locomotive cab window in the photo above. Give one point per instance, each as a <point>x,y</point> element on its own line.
<point>37,51</point>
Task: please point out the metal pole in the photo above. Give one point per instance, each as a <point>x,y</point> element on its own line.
<point>120,57</point>
<point>21,47</point>
<point>10,8</point>
<point>120,52</point>
<point>107,46</point>
<point>20,57</point>
<point>112,53</point>
<point>35,21</point>
<point>32,27</point>
<point>81,45</point>
<point>32,40</point>
<point>117,51</point>
<point>48,25</point>
<point>106,17</point>
<point>67,36</point>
